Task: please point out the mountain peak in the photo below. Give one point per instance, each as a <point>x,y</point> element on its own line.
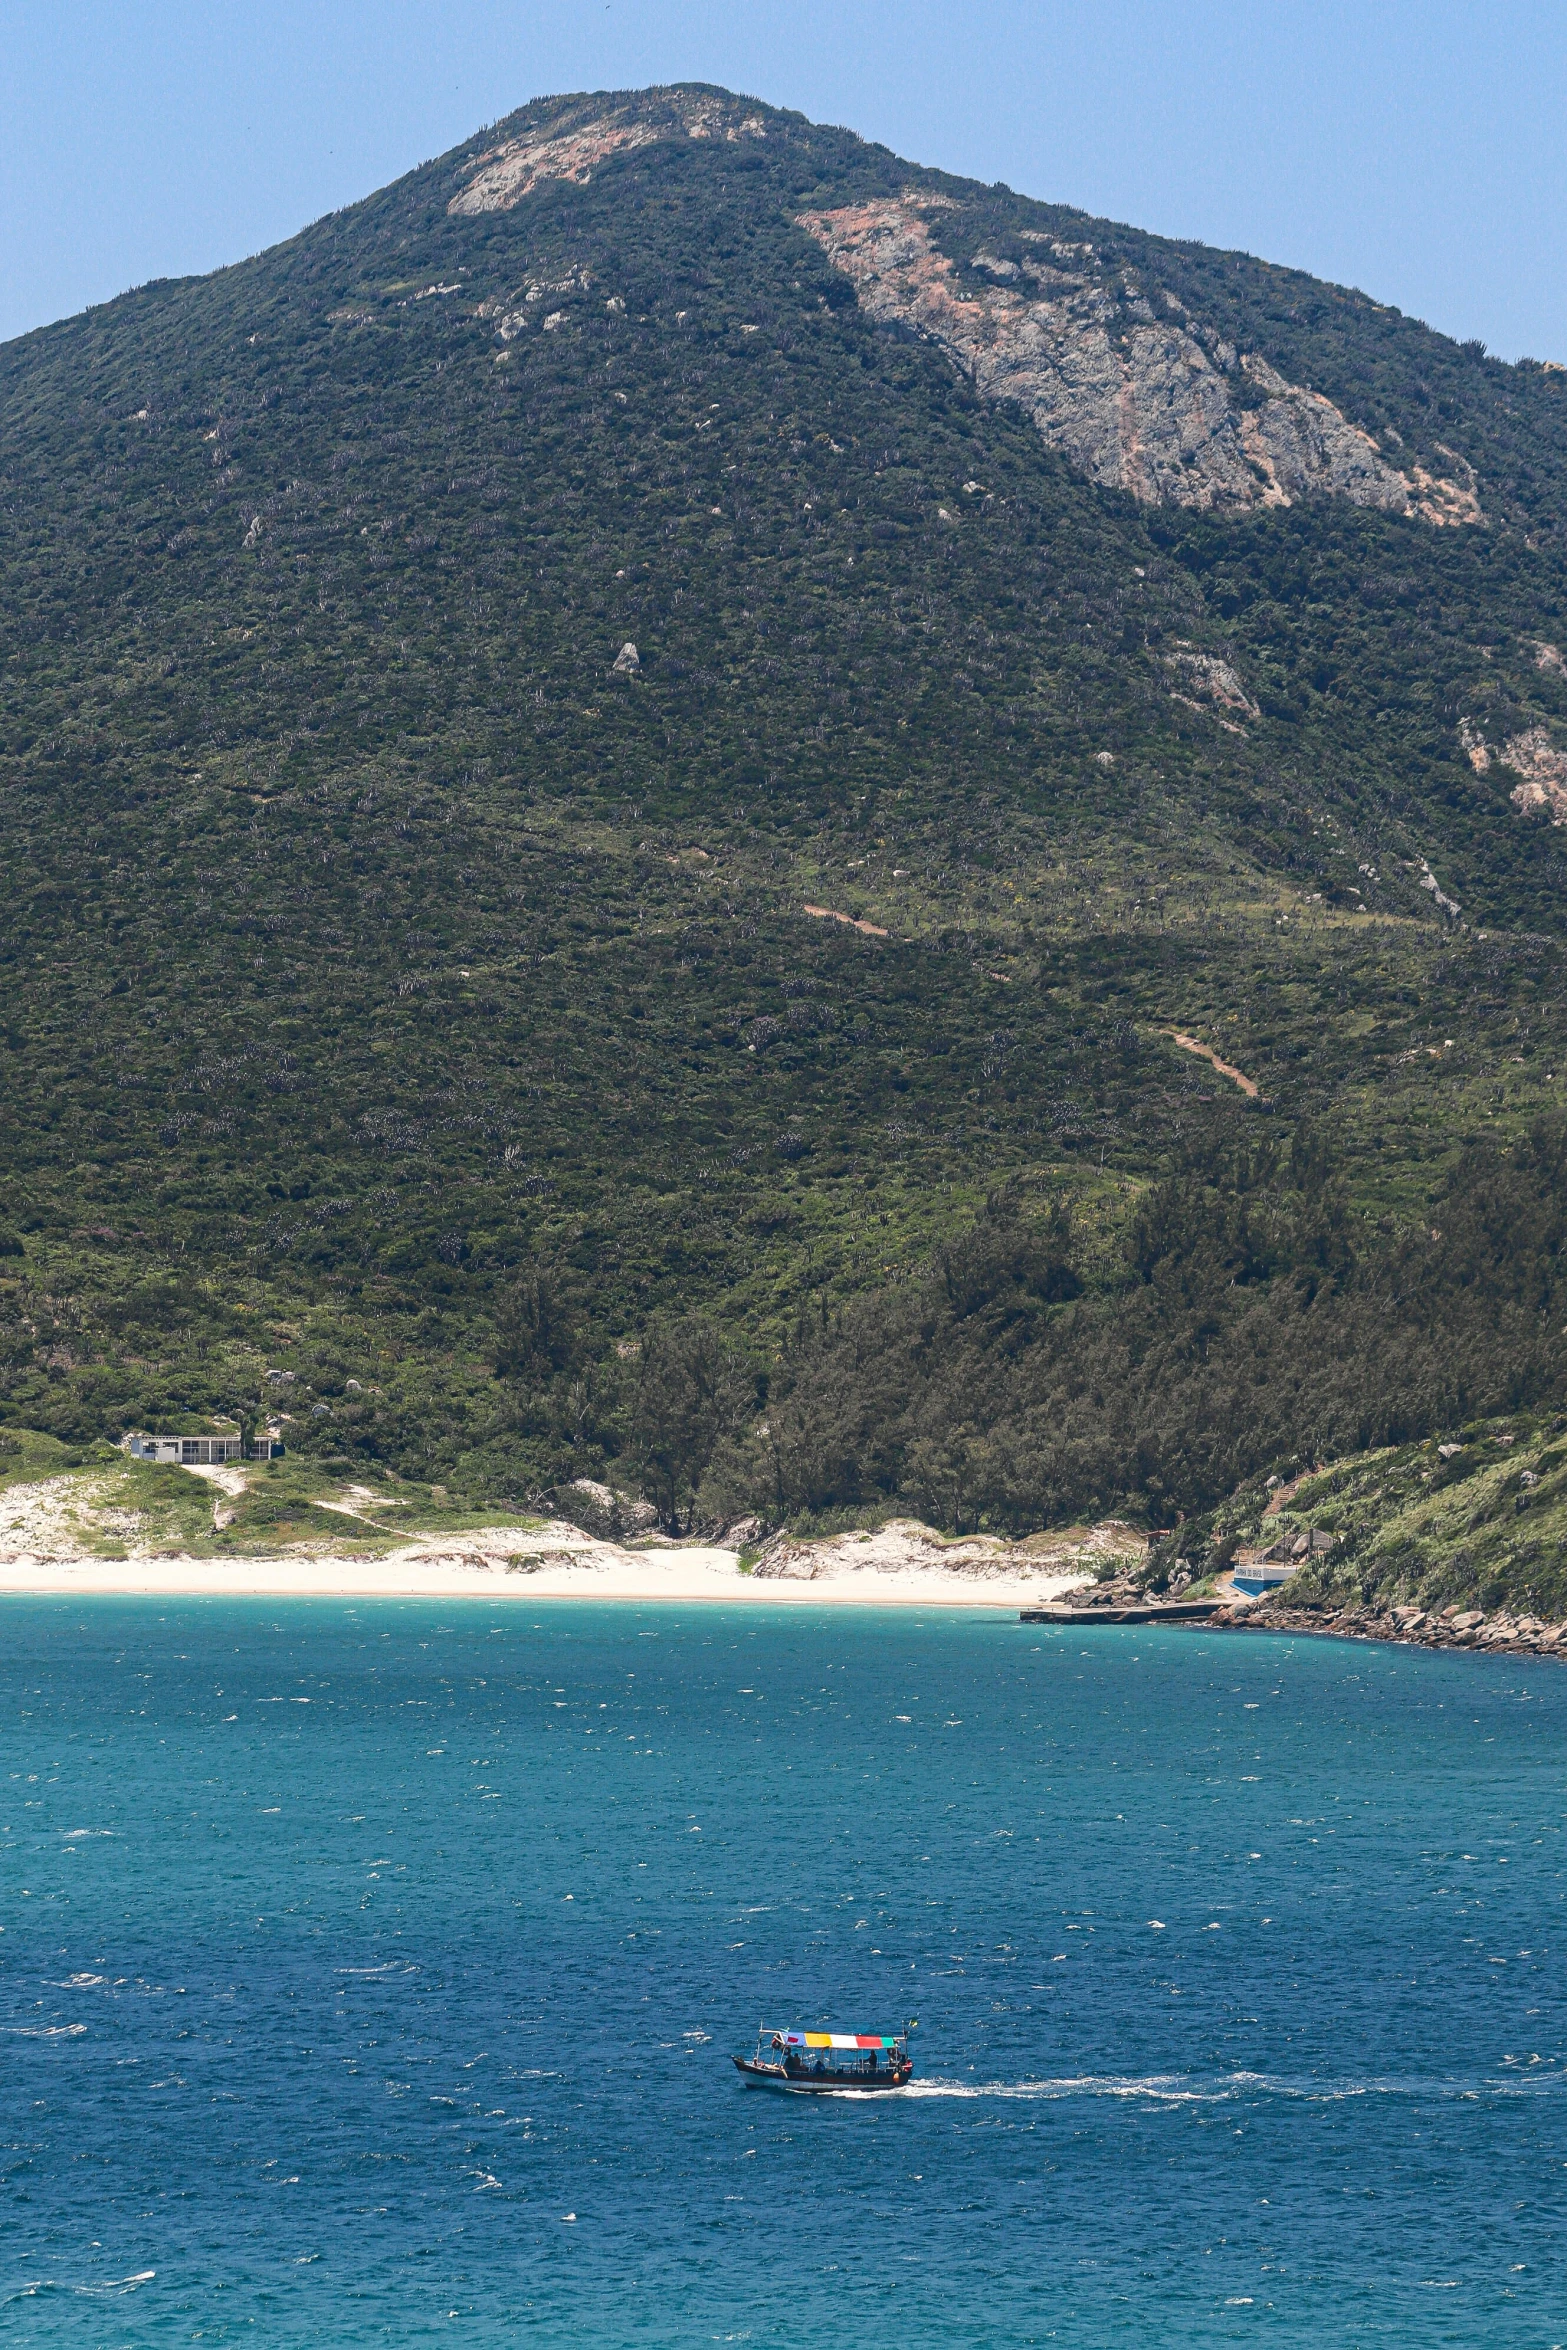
<point>571,140</point>
<point>1135,383</point>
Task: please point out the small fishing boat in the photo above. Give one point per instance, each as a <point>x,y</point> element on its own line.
<point>816,2064</point>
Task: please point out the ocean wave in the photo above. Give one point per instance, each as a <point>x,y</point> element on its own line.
<point>45,2031</point>
<point>143,2276</point>
<point>111,2285</point>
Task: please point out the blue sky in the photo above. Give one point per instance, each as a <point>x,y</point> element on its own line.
<point>1416,151</point>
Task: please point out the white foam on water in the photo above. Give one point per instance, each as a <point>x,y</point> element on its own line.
<point>1332,2092</point>
<point>1180,2089</point>
<point>46,2031</point>
<point>1164,2088</point>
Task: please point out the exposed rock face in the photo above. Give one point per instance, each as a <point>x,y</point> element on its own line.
<point>1476,749</point>
<point>1542,770</point>
<point>1209,683</point>
<point>1549,658</point>
<point>1428,881</point>
<point>537,291</point>
<point>1533,757</point>
<point>628,661</point>
<point>573,150</point>
<point>1138,401</point>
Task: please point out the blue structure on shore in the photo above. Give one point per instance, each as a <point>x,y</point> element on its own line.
<point>1263,1575</point>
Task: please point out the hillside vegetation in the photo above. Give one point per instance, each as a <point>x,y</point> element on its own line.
<point>749,1067</point>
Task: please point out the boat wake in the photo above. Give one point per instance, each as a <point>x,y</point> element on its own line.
<point>1167,2089</point>
<point>1173,2089</point>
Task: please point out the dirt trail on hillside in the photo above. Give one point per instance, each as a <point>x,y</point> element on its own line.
<point>828,914</point>
<point>1205,1052</point>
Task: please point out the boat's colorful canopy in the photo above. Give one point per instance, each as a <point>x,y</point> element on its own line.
<point>837,2040</point>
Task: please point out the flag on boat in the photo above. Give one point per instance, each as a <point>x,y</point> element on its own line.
<point>837,2040</point>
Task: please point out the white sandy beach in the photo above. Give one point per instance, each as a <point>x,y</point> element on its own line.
<point>900,1565</point>
<point>682,1575</point>
<point>53,1533</point>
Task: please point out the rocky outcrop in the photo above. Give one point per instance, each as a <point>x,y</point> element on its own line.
<point>1449,1627</point>
<point>1208,683</point>
<point>1533,757</point>
<point>1139,399</point>
<point>571,148</point>
<point>1428,881</point>
<point>1475,747</point>
<point>1542,772</point>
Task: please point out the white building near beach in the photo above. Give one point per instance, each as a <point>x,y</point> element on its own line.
<point>184,1452</point>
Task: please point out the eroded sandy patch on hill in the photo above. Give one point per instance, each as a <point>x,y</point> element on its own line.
<point>903,1546</point>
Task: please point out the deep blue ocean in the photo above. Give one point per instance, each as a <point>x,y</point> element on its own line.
<point>368,1975</point>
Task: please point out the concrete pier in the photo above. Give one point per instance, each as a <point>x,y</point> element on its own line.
<point>1175,1611</point>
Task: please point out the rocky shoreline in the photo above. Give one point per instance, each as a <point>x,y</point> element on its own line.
<point>1406,1623</point>
<point>1409,1625</point>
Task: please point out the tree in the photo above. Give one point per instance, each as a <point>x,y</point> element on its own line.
<point>691,1390</point>
<point>536,1335</point>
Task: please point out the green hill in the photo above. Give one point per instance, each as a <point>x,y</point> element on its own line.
<point>753,1059</point>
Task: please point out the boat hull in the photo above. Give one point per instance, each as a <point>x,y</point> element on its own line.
<point>773,2076</point>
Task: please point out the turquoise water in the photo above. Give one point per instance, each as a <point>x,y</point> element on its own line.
<point>368,1971</point>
